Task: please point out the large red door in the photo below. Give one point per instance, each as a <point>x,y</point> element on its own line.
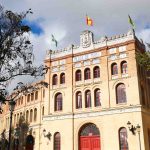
<point>90,143</point>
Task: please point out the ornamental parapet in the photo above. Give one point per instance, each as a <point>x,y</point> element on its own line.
<point>87,43</point>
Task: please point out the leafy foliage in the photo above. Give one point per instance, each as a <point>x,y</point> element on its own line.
<point>144,59</point>
<point>21,131</point>
<point>3,141</point>
<point>16,50</point>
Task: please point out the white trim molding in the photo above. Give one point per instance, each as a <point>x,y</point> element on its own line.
<point>122,110</point>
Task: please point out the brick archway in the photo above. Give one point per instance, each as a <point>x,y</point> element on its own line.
<point>89,137</point>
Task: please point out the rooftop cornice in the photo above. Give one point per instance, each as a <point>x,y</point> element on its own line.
<point>87,43</point>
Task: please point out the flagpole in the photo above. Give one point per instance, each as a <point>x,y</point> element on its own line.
<point>131,23</point>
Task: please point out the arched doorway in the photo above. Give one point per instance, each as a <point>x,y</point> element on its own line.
<point>89,137</point>
<point>29,142</point>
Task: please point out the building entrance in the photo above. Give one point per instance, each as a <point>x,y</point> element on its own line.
<point>29,142</point>
<point>89,137</point>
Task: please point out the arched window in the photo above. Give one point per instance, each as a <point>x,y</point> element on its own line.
<point>58,102</point>
<point>43,93</point>
<point>18,101</point>
<point>121,93</point>
<point>21,100</point>
<point>31,115</point>
<point>97,97</point>
<point>27,116</point>
<point>32,96</point>
<point>124,67</point>
<point>114,69</point>
<point>35,114</point>
<point>15,120</point>
<point>78,100</point>
<point>55,79</point>
<point>28,98</point>
<point>57,141</point>
<point>62,78</point>
<point>87,74</point>
<point>123,139</point>
<point>78,75</point>
<point>96,72</point>
<point>87,99</point>
<point>88,130</point>
<point>36,95</point>
<point>142,95</point>
<point>43,111</point>
<point>18,117</point>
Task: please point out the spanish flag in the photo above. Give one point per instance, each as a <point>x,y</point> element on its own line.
<point>89,21</point>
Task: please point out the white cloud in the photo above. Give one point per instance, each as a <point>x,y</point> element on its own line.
<point>58,32</point>
<point>66,19</point>
<point>43,42</point>
<point>110,17</point>
<point>145,35</point>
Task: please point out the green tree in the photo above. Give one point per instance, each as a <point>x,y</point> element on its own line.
<point>21,132</point>
<point>144,59</point>
<point>16,50</point>
<point>3,141</point>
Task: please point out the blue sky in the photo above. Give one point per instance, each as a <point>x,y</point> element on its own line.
<point>65,19</point>
<point>147,26</point>
<point>35,27</point>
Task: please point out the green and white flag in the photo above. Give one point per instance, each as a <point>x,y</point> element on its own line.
<point>54,40</point>
<point>131,22</point>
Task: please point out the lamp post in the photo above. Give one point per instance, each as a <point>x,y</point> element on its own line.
<point>11,108</point>
<point>47,135</point>
<point>138,131</point>
<point>135,129</point>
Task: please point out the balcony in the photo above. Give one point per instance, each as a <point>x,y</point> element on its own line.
<point>88,81</point>
<point>124,75</point>
<point>114,76</point>
<point>77,83</point>
<point>95,80</point>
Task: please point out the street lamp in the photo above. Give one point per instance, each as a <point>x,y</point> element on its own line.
<point>12,104</point>
<point>48,135</point>
<point>135,129</point>
<point>131,127</point>
<point>138,131</point>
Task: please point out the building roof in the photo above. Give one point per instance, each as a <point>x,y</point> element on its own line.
<point>87,43</point>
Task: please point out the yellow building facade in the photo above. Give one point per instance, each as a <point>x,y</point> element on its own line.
<point>94,90</point>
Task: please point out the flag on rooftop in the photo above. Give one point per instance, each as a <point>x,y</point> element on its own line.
<point>54,40</point>
<point>131,21</point>
<point>89,21</point>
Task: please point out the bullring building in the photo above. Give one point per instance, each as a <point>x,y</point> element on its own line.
<point>98,98</point>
